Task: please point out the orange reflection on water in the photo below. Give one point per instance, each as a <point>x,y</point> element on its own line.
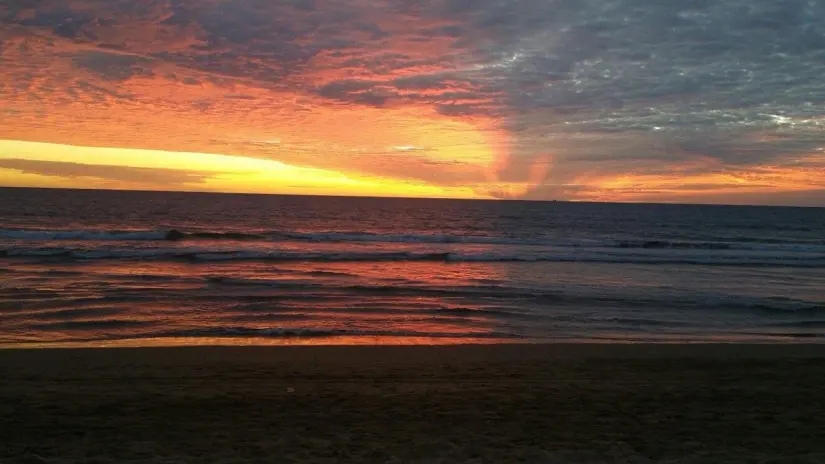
<point>251,341</point>
<point>152,303</point>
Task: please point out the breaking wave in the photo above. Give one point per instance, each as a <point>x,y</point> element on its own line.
<point>699,257</point>
<point>344,237</point>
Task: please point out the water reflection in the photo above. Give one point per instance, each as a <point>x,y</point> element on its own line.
<point>253,302</point>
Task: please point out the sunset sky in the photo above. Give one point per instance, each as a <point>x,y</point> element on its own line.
<point>707,101</point>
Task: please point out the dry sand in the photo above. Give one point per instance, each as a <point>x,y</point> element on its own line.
<point>496,404</point>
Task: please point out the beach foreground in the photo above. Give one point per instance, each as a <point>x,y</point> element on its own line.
<point>498,404</point>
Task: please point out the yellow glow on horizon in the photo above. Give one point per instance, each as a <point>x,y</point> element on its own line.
<point>222,173</point>
<point>209,172</point>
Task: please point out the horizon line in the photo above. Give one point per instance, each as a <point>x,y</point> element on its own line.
<point>374,197</point>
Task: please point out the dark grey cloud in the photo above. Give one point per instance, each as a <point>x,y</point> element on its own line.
<point>347,89</point>
<point>421,82</point>
<point>112,66</point>
<point>462,109</point>
<point>684,79</point>
<point>152,176</point>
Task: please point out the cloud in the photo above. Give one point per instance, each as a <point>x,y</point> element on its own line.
<point>562,92</point>
<point>663,80</point>
<point>151,176</point>
<point>354,91</point>
<point>112,66</point>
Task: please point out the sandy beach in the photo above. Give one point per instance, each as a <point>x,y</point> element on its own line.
<point>531,404</point>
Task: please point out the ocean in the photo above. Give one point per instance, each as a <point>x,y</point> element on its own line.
<point>106,268</point>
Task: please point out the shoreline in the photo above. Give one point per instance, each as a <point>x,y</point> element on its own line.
<point>411,341</point>
<point>517,350</point>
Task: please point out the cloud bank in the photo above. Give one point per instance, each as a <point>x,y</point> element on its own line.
<point>131,175</point>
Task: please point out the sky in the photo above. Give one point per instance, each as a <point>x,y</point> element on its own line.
<point>701,101</point>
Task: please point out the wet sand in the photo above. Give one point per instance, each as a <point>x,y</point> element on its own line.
<point>474,404</point>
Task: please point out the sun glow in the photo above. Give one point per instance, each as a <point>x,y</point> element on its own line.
<point>207,172</point>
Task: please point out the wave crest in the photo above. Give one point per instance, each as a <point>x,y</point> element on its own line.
<point>371,237</point>
<point>811,260</point>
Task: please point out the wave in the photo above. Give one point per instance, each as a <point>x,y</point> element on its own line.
<point>557,242</point>
<point>254,294</point>
<point>176,235</point>
<point>557,296</point>
<point>101,235</point>
<point>741,303</point>
<point>420,238</point>
<point>810,260</point>
<point>660,244</point>
<point>313,332</point>
<point>102,324</point>
<point>72,313</point>
<point>462,291</point>
<point>274,332</point>
<point>769,335</point>
<point>812,325</point>
<point>122,235</point>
